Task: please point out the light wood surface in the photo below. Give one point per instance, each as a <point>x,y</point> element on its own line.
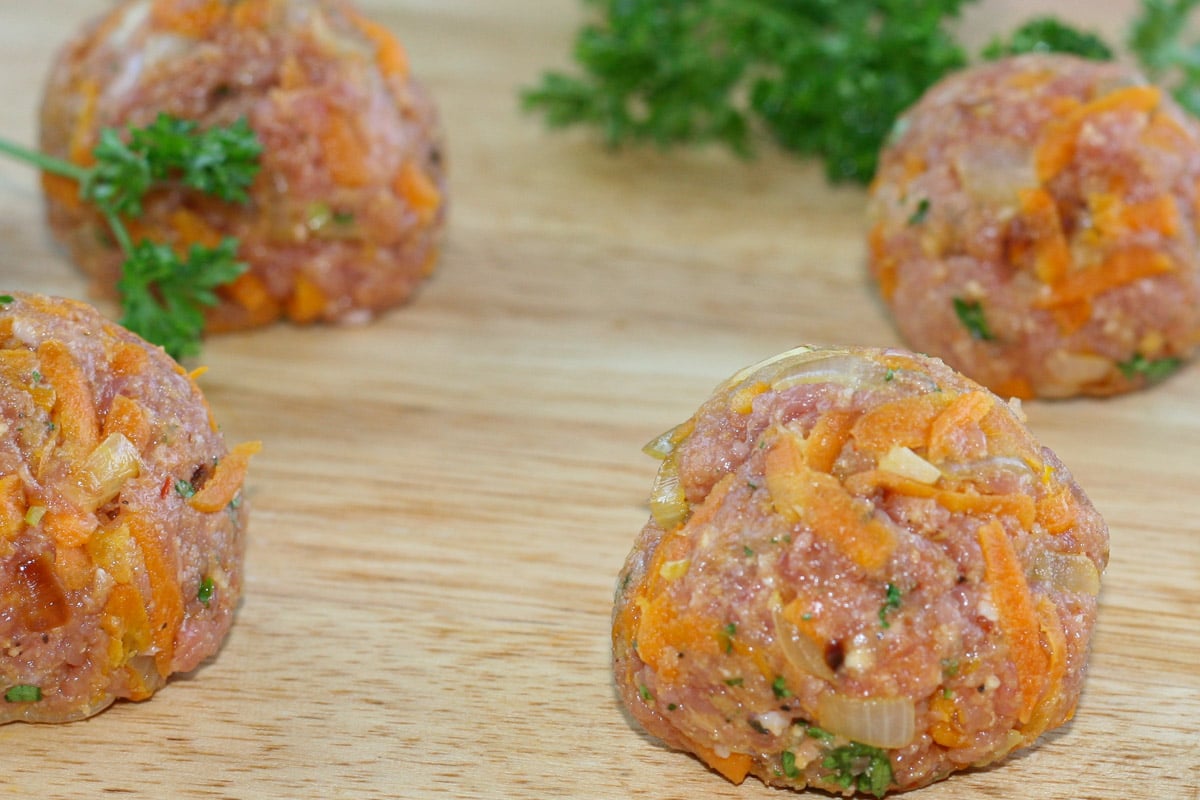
<point>445,496</point>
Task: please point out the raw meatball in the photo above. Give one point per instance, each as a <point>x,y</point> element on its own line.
<point>345,217</point>
<point>861,573</point>
<point>122,526</point>
<point>1034,223</point>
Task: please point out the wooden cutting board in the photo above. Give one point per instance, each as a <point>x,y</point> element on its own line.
<point>445,496</point>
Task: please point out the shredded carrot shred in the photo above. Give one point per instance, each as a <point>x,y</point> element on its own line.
<point>1018,615</point>
<point>884,263</point>
<point>125,621</point>
<point>68,528</point>
<point>418,190</point>
<point>389,53</point>
<point>1124,266</point>
<point>248,291</point>
<point>226,480</point>
<point>1051,252</point>
<point>165,609</point>
<point>1019,506</point>
<point>1052,631</point>
<point>191,229</point>
<point>899,423</point>
<point>128,360</point>
<point>1057,147</point>
<point>62,190</point>
<point>306,302</point>
<point>946,432</point>
<point>344,153</point>
<point>1058,510</point>
<point>74,409</point>
<point>819,501</point>
<point>733,767</point>
<point>128,417</point>
<point>827,438</point>
<point>194,19</point>
<point>73,568</point>
<point>947,728</point>
<point>12,506</point>
<point>252,14</point>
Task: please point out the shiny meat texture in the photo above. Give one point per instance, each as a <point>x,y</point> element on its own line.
<point>346,215</point>
<point>121,515</point>
<point>1034,224</point>
<point>861,573</point>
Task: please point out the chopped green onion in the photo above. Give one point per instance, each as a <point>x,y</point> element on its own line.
<point>205,593</point>
<point>23,693</point>
<point>970,314</point>
<point>184,488</point>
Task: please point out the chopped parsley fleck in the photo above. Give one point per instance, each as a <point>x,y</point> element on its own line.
<point>23,693</point>
<point>949,667</point>
<point>746,551</point>
<point>921,213</point>
<point>970,314</point>
<point>734,681</point>
<point>5,299</point>
<point>726,636</point>
<point>787,760</point>
<point>859,766</point>
<point>184,488</point>
<point>644,691</point>
<point>779,687</point>
<point>1154,370</point>
<point>890,375</point>
<point>35,377</point>
<point>205,593</point>
<point>818,733</point>
<point>891,603</point>
<point>671,706</point>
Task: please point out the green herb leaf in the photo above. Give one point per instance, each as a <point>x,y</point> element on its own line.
<point>861,767</point>
<point>970,314</point>
<point>184,488</point>
<point>1049,35</point>
<point>779,687</point>
<point>1154,370</point>
<point>205,593</point>
<point>162,295</point>
<point>787,760</point>
<point>922,211</point>
<point>726,636</point>
<point>23,693</point>
<point>891,603</point>
<point>823,79</point>
<point>734,681</point>
<point>1156,39</point>
<point>5,299</point>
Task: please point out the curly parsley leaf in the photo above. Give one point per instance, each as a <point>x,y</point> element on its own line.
<point>824,79</point>
<point>1046,35</point>
<point>1156,39</point>
<point>163,294</point>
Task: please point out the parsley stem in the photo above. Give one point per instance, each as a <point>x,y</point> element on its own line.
<point>47,162</point>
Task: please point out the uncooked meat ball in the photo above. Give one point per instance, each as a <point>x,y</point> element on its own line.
<point>122,521</point>
<point>346,214</point>
<point>1034,224</point>
<point>861,573</point>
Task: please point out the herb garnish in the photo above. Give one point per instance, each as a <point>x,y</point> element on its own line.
<point>787,760</point>
<point>1154,370</point>
<point>725,636</point>
<point>162,294</point>
<point>779,687</point>
<point>183,488</point>
<point>205,593</point>
<point>891,603</point>
<point>970,314</point>
<point>921,213</point>
<point>859,766</point>
<point>823,79</point>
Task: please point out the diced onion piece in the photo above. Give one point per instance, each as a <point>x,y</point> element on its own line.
<point>668,505</point>
<point>100,476</point>
<point>660,446</point>
<point>801,652</point>
<point>884,722</point>
<point>994,171</point>
<point>1070,572</point>
<point>903,461</point>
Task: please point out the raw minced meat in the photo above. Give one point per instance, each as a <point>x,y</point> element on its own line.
<point>861,572</point>
<point>1034,222</point>
<point>122,526</point>
<point>345,217</point>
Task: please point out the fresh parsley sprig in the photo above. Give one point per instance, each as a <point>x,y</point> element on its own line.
<point>162,295</point>
<point>824,79</point>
